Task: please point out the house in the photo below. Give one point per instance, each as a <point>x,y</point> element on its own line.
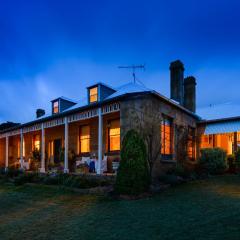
<point>92,131</point>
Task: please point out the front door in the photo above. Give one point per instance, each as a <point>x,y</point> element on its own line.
<point>57,150</point>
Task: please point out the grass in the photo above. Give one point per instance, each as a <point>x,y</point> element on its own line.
<point>208,209</point>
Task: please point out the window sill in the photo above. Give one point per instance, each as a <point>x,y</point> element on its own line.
<point>168,161</point>
<point>113,153</point>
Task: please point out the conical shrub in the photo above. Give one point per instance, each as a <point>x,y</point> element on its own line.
<point>133,175</point>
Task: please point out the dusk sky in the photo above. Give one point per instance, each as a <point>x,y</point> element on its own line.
<point>57,48</point>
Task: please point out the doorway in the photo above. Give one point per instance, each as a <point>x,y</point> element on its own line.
<point>57,146</point>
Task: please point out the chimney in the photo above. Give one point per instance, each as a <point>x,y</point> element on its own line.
<point>177,78</point>
<point>40,113</point>
<point>190,93</point>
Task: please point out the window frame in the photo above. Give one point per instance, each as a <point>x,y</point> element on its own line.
<point>93,95</point>
<point>89,139</point>
<point>57,107</point>
<point>164,155</point>
<point>191,140</point>
<point>34,140</point>
<point>108,136</point>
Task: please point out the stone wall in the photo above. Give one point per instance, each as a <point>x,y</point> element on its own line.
<point>144,113</point>
<point>2,151</point>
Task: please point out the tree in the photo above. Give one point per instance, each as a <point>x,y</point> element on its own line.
<point>133,175</point>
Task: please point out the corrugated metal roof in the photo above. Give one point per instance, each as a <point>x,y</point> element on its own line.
<point>219,111</point>
<point>222,127</point>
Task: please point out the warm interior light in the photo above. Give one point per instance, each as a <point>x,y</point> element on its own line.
<point>19,150</point>
<point>85,139</point>
<point>166,137</point>
<point>56,107</point>
<point>93,94</point>
<point>114,135</point>
<point>36,142</point>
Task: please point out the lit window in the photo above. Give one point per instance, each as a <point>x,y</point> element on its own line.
<point>36,142</point>
<point>84,139</point>
<point>93,94</point>
<point>56,107</point>
<point>191,143</point>
<point>167,136</point>
<point>19,150</point>
<point>114,136</point>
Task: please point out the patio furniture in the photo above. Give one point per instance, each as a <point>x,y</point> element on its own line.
<point>103,164</point>
<point>26,165</point>
<point>92,167</point>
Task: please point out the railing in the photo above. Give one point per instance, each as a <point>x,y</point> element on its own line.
<point>110,108</point>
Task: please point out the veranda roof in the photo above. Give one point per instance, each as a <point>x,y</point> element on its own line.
<point>222,127</point>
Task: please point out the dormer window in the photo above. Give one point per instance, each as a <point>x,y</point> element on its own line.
<point>93,94</point>
<point>56,107</point>
<point>98,92</point>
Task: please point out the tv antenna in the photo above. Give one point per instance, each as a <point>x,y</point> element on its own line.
<point>134,67</point>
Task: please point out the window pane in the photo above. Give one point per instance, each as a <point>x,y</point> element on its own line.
<point>93,94</point>
<point>114,135</point>
<point>85,139</point>
<point>36,142</point>
<point>55,107</point>
<point>84,145</point>
<point>115,143</point>
<point>166,136</point>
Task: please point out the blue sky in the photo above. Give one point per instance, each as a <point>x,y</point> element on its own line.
<point>50,48</point>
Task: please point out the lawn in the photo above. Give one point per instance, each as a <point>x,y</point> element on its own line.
<point>208,209</point>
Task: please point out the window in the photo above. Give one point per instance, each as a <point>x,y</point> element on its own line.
<point>56,107</point>
<point>93,94</point>
<point>36,142</point>
<point>191,143</point>
<point>19,150</point>
<point>84,139</point>
<point>114,136</point>
<point>167,136</point>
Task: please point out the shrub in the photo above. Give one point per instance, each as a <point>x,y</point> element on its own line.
<point>171,179</point>
<point>180,171</point>
<point>13,172</point>
<point>213,160</point>
<point>231,163</point>
<point>26,178</point>
<point>133,175</point>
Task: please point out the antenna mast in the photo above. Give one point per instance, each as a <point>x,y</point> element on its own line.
<point>134,67</point>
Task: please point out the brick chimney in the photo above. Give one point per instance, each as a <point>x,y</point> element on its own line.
<point>190,93</point>
<point>40,113</point>
<point>177,81</point>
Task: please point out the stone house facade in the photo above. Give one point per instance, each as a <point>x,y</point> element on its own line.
<point>94,130</point>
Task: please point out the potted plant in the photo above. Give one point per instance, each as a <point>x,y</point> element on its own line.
<point>36,159</point>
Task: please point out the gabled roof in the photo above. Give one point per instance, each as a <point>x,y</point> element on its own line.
<point>129,88</point>
<point>121,92</point>
<point>64,98</point>
<point>100,83</point>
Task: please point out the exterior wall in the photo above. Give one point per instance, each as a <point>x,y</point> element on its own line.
<point>144,114</point>
<point>2,152</point>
